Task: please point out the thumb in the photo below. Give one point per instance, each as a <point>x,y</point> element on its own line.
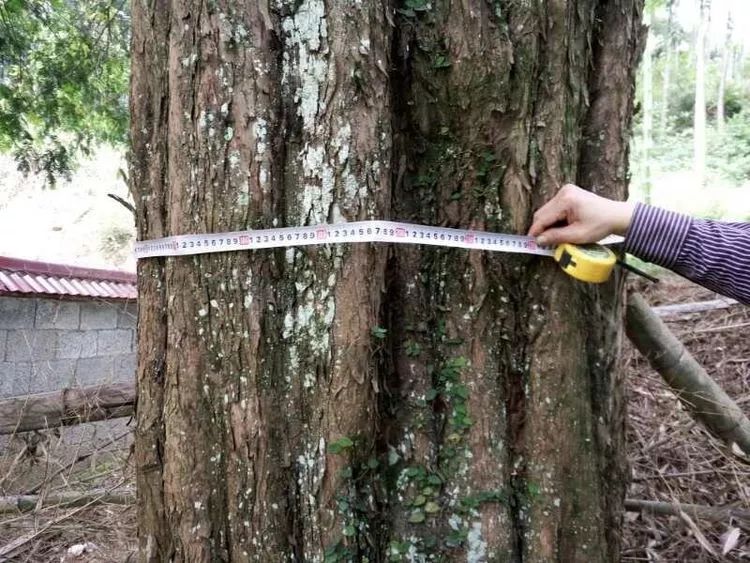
<point>575,233</point>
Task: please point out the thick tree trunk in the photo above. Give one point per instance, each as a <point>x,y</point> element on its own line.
<point>351,403</point>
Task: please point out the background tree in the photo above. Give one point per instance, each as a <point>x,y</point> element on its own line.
<point>726,55</point>
<point>669,46</point>
<point>63,80</point>
<point>699,107</point>
<point>359,402</point>
<point>647,89</point>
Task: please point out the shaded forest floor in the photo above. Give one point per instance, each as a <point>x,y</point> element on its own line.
<point>672,459</point>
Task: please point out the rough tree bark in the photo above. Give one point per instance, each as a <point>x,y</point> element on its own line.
<point>359,402</point>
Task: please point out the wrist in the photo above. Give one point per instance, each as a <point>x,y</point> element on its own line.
<point>622,216</point>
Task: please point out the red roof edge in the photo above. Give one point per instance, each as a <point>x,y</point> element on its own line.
<point>47,268</point>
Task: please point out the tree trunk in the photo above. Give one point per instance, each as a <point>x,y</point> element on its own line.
<point>355,402</point>
<point>726,55</point>
<point>699,110</point>
<point>667,72</point>
<point>648,107</point>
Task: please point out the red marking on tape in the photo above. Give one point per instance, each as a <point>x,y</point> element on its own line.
<point>244,239</point>
<point>400,232</point>
<point>470,238</point>
<point>321,234</point>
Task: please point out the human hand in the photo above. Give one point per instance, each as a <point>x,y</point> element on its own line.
<point>577,216</point>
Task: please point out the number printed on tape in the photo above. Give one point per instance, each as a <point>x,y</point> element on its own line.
<point>361,231</point>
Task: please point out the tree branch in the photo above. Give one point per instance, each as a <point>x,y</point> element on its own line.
<point>706,401</point>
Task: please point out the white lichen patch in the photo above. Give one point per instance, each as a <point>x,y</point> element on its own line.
<point>318,191</point>
<point>260,130</point>
<point>307,34</point>
<point>311,468</point>
<point>477,547</point>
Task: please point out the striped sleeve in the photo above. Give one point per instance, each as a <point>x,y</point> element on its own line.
<point>713,254</point>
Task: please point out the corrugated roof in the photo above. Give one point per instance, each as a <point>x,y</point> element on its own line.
<point>19,276</point>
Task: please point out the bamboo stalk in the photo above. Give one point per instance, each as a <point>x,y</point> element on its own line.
<point>25,503</point>
<point>695,510</point>
<point>704,398</point>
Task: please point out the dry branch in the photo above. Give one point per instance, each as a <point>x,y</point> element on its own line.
<point>66,407</point>
<point>715,513</point>
<point>702,395</point>
<point>24,503</point>
<point>687,308</point>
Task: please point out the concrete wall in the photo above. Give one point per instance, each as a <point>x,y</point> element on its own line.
<point>50,344</point>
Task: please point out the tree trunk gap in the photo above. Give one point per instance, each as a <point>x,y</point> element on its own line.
<point>365,402</point>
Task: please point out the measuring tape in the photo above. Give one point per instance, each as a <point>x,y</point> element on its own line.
<point>589,263</point>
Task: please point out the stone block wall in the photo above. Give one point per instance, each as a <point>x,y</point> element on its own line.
<point>50,344</point>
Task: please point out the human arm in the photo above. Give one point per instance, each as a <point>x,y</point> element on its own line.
<point>714,254</point>
<point>711,253</point>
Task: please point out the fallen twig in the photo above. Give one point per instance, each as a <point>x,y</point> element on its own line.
<point>695,510</point>
<point>687,308</point>
<point>24,503</point>
<point>69,406</point>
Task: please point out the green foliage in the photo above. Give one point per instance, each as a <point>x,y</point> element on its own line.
<point>379,332</point>
<point>412,7</point>
<point>340,445</point>
<point>729,153</point>
<point>63,80</point>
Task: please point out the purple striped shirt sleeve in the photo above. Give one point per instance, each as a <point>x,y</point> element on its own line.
<point>713,254</point>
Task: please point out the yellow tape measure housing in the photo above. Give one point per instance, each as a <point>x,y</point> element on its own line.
<point>589,262</point>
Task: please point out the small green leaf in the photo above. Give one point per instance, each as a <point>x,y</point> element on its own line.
<point>431,394</point>
<point>340,445</point>
<point>431,507</point>
<point>434,480</point>
<point>419,501</point>
<point>413,349</point>
<point>417,5</point>
<point>349,530</point>
<point>461,391</point>
<point>416,517</point>
<point>441,61</point>
<point>533,489</point>
<point>379,332</point>
<point>373,463</point>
